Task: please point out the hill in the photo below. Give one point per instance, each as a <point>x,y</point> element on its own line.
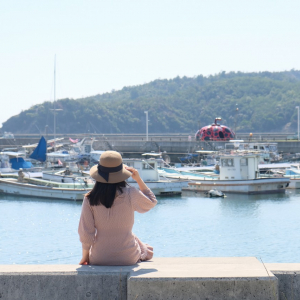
<point>266,102</point>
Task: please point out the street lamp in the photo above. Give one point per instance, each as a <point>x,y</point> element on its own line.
<point>146,112</point>
<point>298,120</point>
<point>236,112</point>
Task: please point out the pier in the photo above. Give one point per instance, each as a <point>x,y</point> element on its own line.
<point>210,278</point>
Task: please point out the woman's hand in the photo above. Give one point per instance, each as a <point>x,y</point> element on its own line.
<point>134,173</point>
<point>136,176</point>
<point>85,260</point>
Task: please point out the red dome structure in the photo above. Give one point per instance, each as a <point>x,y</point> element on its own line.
<point>215,132</point>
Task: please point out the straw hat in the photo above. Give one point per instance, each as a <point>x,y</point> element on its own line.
<point>110,168</point>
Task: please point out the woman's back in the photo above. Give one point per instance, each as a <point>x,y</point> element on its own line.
<point>107,232</point>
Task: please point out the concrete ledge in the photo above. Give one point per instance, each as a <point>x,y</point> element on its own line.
<point>204,278</point>
<point>289,279</point>
<point>65,282</point>
<point>162,278</point>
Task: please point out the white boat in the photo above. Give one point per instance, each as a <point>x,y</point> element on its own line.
<point>147,169</point>
<point>5,165</point>
<point>268,152</point>
<point>293,173</point>
<point>12,161</point>
<point>84,147</point>
<point>287,170</point>
<point>188,174</point>
<point>61,155</point>
<point>66,175</point>
<point>33,187</point>
<point>239,173</point>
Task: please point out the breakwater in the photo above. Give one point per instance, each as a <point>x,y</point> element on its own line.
<point>209,278</point>
<point>131,145</point>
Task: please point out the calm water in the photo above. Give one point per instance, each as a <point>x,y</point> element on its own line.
<point>267,227</point>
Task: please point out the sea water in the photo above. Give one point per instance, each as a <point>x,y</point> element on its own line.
<point>36,231</point>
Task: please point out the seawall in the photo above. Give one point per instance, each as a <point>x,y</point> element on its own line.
<point>173,145</point>
<point>208,278</point>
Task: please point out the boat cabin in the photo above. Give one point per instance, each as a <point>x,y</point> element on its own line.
<point>84,147</point>
<point>5,165</point>
<point>239,167</point>
<point>251,146</point>
<point>146,168</point>
<point>268,151</point>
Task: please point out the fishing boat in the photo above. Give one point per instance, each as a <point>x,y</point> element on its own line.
<point>67,175</point>
<point>239,173</point>
<point>41,188</point>
<point>268,152</point>
<point>5,165</point>
<point>11,161</point>
<point>188,173</point>
<point>148,171</point>
<point>84,148</point>
<point>57,185</point>
<point>293,173</point>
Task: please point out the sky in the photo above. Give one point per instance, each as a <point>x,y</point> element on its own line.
<point>104,45</point>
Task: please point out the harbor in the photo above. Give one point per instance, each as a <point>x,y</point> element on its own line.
<point>58,168</point>
<point>251,184</point>
<point>150,150</point>
<point>220,205</point>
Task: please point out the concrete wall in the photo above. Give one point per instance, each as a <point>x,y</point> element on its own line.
<point>172,144</point>
<point>162,278</point>
<point>288,280</point>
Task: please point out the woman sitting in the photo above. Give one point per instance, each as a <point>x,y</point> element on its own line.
<point>107,216</point>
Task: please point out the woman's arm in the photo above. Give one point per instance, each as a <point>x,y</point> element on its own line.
<point>136,176</point>
<point>143,200</point>
<point>86,230</point>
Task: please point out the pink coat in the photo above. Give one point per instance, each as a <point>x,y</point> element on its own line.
<point>107,232</point>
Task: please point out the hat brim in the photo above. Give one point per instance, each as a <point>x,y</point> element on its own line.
<point>114,177</point>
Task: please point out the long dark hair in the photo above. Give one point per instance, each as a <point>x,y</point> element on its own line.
<point>104,193</point>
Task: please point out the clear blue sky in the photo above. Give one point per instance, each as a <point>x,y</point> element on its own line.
<point>105,45</point>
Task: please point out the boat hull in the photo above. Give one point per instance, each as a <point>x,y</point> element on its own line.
<point>294,183</point>
<point>164,187</point>
<point>255,186</point>
<point>13,187</point>
<point>62,178</point>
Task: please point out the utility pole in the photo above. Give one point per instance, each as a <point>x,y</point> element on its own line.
<point>236,112</point>
<point>54,103</point>
<point>146,112</point>
<point>298,121</point>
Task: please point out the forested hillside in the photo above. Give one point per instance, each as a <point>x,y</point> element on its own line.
<point>266,102</point>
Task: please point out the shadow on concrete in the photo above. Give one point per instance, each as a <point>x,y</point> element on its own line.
<point>134,270</point>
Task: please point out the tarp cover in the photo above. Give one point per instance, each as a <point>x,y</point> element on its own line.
<point>39,152</point>
<point>17,163</point>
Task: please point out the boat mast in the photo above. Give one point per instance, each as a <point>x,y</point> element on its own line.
<point>54,112</point>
